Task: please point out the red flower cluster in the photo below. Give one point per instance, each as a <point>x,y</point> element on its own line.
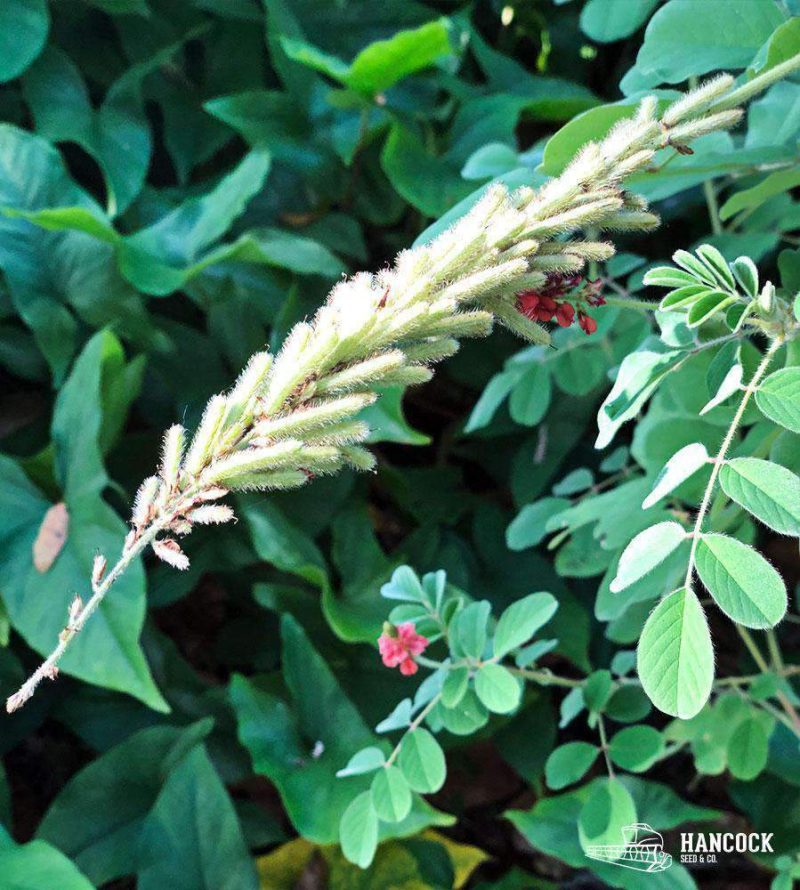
<point>398,646</point>
<point>547,304</point>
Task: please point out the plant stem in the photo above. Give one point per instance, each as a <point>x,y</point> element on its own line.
<point>545,678</point>
<point>752,648</point>
<point>757,84</point>
<point>601,727</point>
<point>631,303</point>
<point>713,206</point>
<point>723,451</point>
<point>792,719</point>
<point>774,650</point>
<point>48,668</point>
<point>415,724</point>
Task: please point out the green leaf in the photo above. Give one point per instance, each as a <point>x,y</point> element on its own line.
<point>98,815</point>
<point>744,585</point>
<point>680,467</point>
<point>647,550</point>
<point>607,810</point>
<point>638,376</point>
<point>164,256</point>
<point>431,183</point>
<point>520,621</point>
<point>192,839</point>
<point>358,831</point>
<point>530,396</point>
<point>707,306</point>
<point>37,866</point>
<point>489,161</point>
<point>767,490</point>
<point>779,398</point>
<point>609,20</point>
<point>464,718</point>
<point>668,276</point>
<point>748,749</point>
<point>455,686</point>
<point>422,762</point>
<point>591,125</point>
<point>636,748</point>
<point>366,760</point>
<point>468,629</point>
<point>381,64</point>
<point>52,276</point>
<point>751,198</point>
<point>597,690</point>
<point>529,526</point>
<point>116,134</point>
<point>404,585</point>
<point>387,422</point>
<point>675,656</point>
<point>391,795</point>
<point>575,482</point>
<point>724,375</point>
<point>685,38</point>
<point>746,273</point>
<point>497,688</point>
<point>23,31</point>
<point>568,763</point>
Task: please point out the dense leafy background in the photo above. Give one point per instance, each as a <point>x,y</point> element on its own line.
<point>182,181</point>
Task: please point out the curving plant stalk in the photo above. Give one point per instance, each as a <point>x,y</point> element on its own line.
<point>294,416</point>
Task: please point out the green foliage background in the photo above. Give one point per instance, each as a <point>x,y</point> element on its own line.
<point>180,182</point>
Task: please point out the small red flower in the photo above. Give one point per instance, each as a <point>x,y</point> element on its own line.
<point>565,314</point>
<point>587,323</point>
<point>536,305</point>
<point>594,296</point>
<point>398,646</point>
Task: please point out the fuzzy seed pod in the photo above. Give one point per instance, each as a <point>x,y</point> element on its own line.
<point>362,374</point>
<point>169,551</point>
<point>698,100</point>
<point>212,514</point>
<point>313,416</point>
<point>145,498</point>
<point>171,455</point>
<point>205,439</point>
<point>254,460</point>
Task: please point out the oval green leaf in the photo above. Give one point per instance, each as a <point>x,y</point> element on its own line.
<point>675,656</point>
<point>520,621</point>
<point>767,490</point>
<point>608,809</point>
<point>744,585</point>
<point>497,688</point>
<point>779,398</point>
<point>391,796</point>
<point>647,550</point>
<point>636,748</point>
<point>568,763</point>
<point>358,830</point>
<point>422,762</point>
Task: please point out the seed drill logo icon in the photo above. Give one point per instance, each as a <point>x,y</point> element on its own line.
<point>643,850</point>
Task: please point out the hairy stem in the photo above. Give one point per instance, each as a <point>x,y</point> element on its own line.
<point>49,668</point>
<point>415,724</point>
<point>719,460</point>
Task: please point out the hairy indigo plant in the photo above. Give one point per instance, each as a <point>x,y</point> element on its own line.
<point>295,415</point>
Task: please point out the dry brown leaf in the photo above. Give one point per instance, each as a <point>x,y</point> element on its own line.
<point>51,538</point>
